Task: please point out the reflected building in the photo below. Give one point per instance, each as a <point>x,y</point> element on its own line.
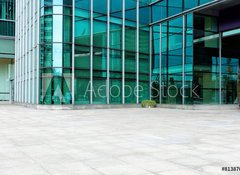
<point>81,52</point>
<point>196,49</point>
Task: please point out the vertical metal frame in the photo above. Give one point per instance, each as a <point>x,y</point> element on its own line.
<point>150,54</point>
<point>73,52</point>
<point>108,53</point>
<point>21,55</point>
<point>16,55</point>
<point>33,52</point>
<point>192,56</point>
<point>38,52</point>
<point>150,61</point>
<point>91,52</point>
<point>220,68</point>
<point>25,55</point>
<point>160,63</point>
<point>123,51</point>
<point>183,59</point>
<point>238,83</point>
<point>137,51</point>
<point>28,48</point>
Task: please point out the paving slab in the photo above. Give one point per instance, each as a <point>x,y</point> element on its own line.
<point>127,141</point>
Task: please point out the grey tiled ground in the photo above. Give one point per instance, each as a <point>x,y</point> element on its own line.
<point>118,142</point>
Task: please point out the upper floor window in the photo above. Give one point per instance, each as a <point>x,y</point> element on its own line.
<point>7,9</point>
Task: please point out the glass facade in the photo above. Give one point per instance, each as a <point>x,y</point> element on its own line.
<point>56,52</point>
<point>162,9</point>
<point>105,61</point>
<point>193,61</point>
<point>7,17</point>
<point>216,62</point>
<point>127,51</point>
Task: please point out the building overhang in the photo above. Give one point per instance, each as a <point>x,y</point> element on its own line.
<point>227,12</point>
<point>208,8</point>
<point>215,9</point>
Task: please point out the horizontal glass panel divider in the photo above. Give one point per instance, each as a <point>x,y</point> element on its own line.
<point>196,71</point>
<point>56,6</point>
<point>8,20</point>
<point>56,14</point>
<point>206,38</point>
<point>155,2</point>
<point>49,43</point>
<point>231,33</point>
<point>53,76</point>
<point>51,14</point>
<point>79,8</point>
<point>56,67</point>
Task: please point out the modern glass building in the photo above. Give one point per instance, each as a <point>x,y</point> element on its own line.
<point>84,52</point>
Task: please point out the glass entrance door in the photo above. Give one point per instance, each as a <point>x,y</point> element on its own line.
<point>216,62</point>
<point>230,66</point>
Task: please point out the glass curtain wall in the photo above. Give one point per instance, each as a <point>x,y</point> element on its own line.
<point>193,62</point>
<point>100,10</point>
<point>144,51</point>
<point>172,59</point>
<point>216,62</point>
<point>82,51</point>
<point>172,63</point>
<point>115,55</point>
<point>230,67</point>
<point>7,17</point>
<point>165,8</point>
<point>111,52</point>
<point>156,65</point>
<point>188,60</point>
<point>56,52</point>
<point>130,51</point>
<point>206,60</point>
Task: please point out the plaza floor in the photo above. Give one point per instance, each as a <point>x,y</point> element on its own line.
<point>118,141</point>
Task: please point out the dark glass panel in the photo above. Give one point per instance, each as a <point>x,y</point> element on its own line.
<point>172,39</point>
<point>46,27</point>
<point>189,60</point>
<point>100,32</point>
<point>82,22</point>
<point>130,77</point>
<point>82,75</point>
<point>55,89</point>
<point>144,77</point>
<point>230,67</point>
<point>67,29</point>
<point>155,63</point>
<point>7,9</point>
<point>206,60</point>
<point>115,77</point>
<point>7,28</point>
<point>99,75</point>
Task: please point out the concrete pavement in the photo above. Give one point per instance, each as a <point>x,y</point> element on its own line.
<point>118,141</point>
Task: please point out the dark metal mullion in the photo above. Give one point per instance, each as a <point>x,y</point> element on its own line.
<point>193,55</point>
<point>167,50</point>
